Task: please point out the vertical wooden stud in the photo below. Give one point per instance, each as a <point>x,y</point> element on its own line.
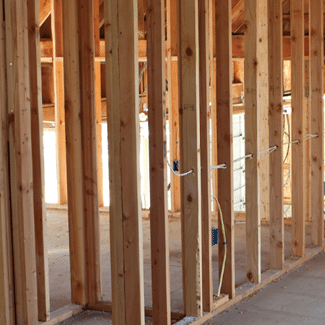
<point>121,34</point>
<point>298,127</point>
<point>98,97</point>
<point>316,10</point>
<point>263,105</point>
<point>225,140</point>
<point>253,221</point>
<point>158,173</point>
<point>173,113</point>
<point>80,109</point>
<point>188,72</point>
<point>276,134</point>
<point>89,146</point>
<point>207,281</point>
<point>43,294</point>
<point>57,36</point>
<point>77,240</point>
<point>21,168</point>
<point>6,276</point>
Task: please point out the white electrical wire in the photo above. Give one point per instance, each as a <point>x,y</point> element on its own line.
<point>223,166</point>
<point>225,245</point>
<point>180,175</point>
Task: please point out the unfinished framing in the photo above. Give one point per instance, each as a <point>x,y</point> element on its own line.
<point>203,62</point>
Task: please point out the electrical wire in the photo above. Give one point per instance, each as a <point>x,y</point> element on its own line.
<point>180,175</point>
<point>225,246</point>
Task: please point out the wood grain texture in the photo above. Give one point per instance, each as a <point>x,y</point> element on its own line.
<point>125,210</point>
<point>188,74</point>
<point>74,153</point>
<point>298,128</point>
<point>89,147</point>
<point>316,79</point>
<point>43,293</point>
<point>21,169</point>
<point>225,140</point>
<point>158,167</point>
<point>207,280</point>
<point>276,134</point>
<point>6,274</point>
<point>252,141</point>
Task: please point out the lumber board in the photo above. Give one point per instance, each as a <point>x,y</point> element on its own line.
<point>158,166</point>
<point>276,134</point>
<point>74,153</point>
<point>173,109</point>
<point>316,79</point>
<point>252,142</point>
<point>58,80</point>
<point>122,111</point>
<point>43,293</point>
<point>225,144</point>
<point>44,10</point>
<point>263,107</point>
<point>21,169</point>
<point>188,74</point>
<point>6,276</point>
<point>62,314</point>
<point>207,280</point>
<point>298,128</point>
<point>88,130</point>
<point>98,96</point>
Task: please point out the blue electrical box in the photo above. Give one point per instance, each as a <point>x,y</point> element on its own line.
<point>214,236</point>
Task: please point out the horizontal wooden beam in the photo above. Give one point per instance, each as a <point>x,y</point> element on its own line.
<point>238,48</point>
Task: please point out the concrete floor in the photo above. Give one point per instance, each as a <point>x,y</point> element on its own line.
<point>59,264</point>
<point>296,298</point>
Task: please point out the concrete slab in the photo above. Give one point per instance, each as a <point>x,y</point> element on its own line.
<point>296,298</point>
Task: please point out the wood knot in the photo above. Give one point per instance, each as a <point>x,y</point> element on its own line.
<point>189,52</point>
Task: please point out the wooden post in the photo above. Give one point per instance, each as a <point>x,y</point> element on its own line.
<point>98,96</point>
<point>207,280</point>
<point>43,294</point>
<point>253,220</point>
<point>276,134</point>
<point>225,141</point>
<point>298,127</point>
<point>158,172</point>
<point>121,33</point>
<point>188,74</point>
<point>6,273</point>
<point>21,167</point>
<point>80,109</point>
<point>173,113</point>
<point>316,80</point>
<point>74,152</point>
<point>57,35</point>
<point>263,106</point>
<point>89,146</point>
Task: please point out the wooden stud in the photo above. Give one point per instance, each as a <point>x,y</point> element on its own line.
<point>298,127</point>
<point>276,134</point>
<point>316,9</point>
<point>253,231</point>
<point>77,240</point>
<point>6,275</point>
<point>207,280</point>
<point>122,73</point>
<point>158,172</point>
<point>89,146</point>
<point>188,72</point>
<point>21,169</point>
<point>58,75</point>
<point>98,96</point>
<point>173,113</point>
<point>225,144</point>
<point>43,294</point>
<point>263,106</point>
